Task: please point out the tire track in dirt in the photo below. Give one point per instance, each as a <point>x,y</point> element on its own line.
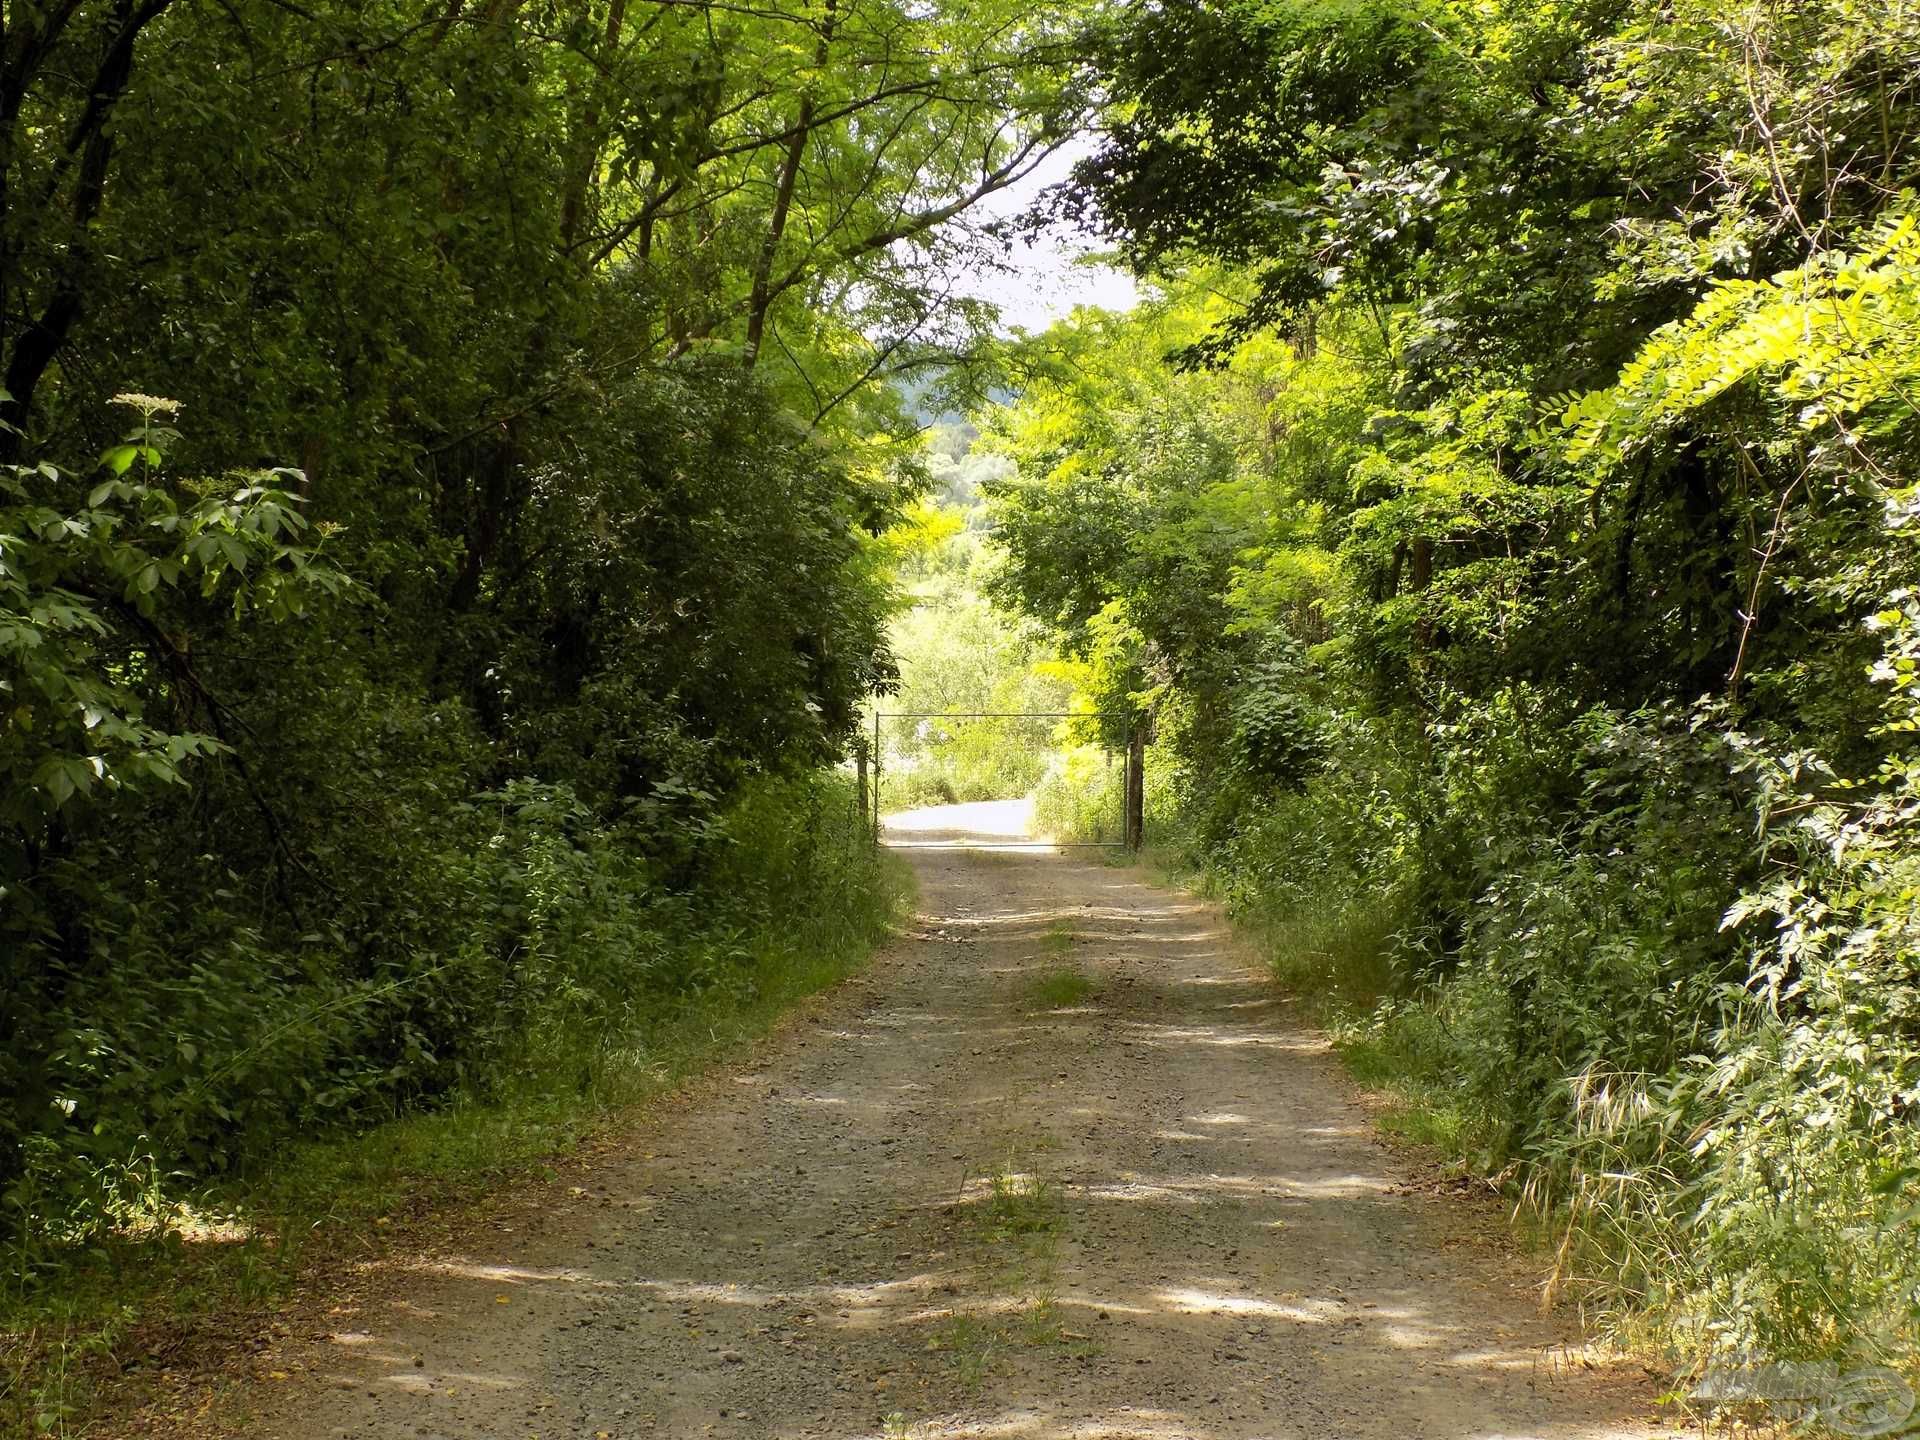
<point>943,1203</point>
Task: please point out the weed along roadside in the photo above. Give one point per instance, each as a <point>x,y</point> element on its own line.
<point>156,1312</point>
<point>961,1195</point>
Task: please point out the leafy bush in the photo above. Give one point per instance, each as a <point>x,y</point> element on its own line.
<point>562,949</point>
<point>1080,798</point>
<point>263,874</point>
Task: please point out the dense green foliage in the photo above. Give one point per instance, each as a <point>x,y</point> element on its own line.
<point>495,538</point>
<point>1508,514</point>
<point>451,504</point>
<point>959,657</point>
<point>618,993</point>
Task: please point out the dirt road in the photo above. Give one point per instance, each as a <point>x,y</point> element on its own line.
<point>1057,1165</point>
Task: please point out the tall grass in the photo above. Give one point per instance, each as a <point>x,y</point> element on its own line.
<point>1079,799</point>
<point>1710,1125</point>
<point>631,992</point>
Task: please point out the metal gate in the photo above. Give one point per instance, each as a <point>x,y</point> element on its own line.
<point>1127,807</point>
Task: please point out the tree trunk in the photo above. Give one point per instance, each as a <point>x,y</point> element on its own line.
<point>761,298</point>
<point>89,154</point>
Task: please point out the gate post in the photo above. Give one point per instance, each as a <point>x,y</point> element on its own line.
<point>1137,785</point>
<point>860,779</point>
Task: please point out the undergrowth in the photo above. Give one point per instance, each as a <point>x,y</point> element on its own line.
<point>1080,798</point>
<point>1705,1136</point>
<point>795,899</point>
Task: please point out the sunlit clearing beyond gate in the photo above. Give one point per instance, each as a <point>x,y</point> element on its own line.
<point>965,780</point>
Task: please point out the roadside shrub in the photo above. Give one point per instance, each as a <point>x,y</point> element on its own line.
<point>1080,799</point>
<point>1694,1056</point>
<point>307,824</point>
<point>202,1051</point>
